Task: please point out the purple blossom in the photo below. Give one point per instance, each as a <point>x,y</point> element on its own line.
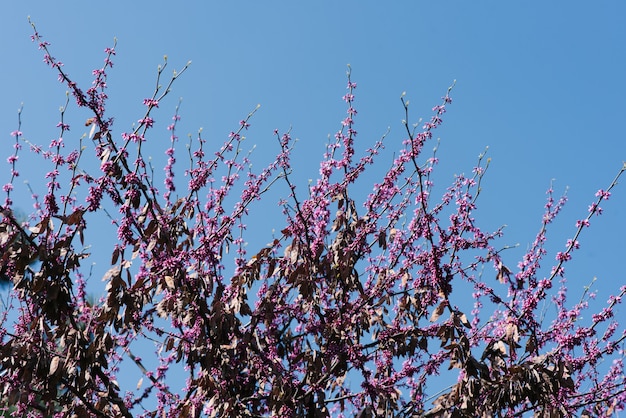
<point>147,122</point>
<point>581,223</point>
<point>151,102</point>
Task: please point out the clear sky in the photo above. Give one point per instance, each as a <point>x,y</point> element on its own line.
<point>541,83</point>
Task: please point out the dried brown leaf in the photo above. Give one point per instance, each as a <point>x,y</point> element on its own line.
<point>75,217</point>
<point>54,365</point>
<point>169,281</point>
<point>438,311</point>
<point>382,240</point>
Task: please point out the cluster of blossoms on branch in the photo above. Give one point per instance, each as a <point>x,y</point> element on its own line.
<point>355,308</point>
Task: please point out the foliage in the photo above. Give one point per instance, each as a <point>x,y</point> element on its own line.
<point>354,308</point>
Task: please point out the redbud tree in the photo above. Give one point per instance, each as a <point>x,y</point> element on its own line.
<point>357,306</point>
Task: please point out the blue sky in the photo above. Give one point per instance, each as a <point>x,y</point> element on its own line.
<point>541,83</point>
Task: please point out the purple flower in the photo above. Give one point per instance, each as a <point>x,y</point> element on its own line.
<point>581,223</point>
<point>151,102</point>
<point>561,256</point>
<point>147,121</point>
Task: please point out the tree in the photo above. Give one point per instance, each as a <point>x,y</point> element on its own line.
<point>354,307</point>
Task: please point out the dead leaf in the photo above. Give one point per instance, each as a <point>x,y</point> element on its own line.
<point>438,311</point>
<point>169,281</point>
<point>54,365</point>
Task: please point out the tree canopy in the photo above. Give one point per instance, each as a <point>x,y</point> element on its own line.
<point>360,305</point>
